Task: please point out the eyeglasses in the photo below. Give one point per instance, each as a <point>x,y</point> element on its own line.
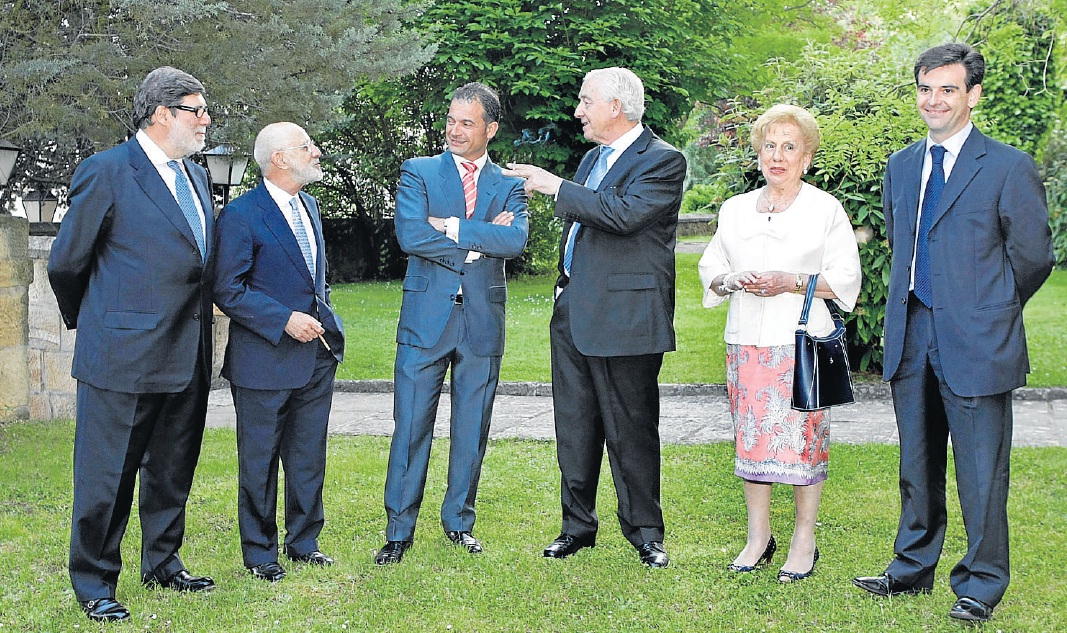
<point>309,147</point>
<point>198,111</point>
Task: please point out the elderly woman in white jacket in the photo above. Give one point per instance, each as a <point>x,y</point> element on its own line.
<point>767,245</point>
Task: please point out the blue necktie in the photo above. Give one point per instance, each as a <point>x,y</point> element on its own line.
<point>301,235</point>
<point>600,169</point>
<point>934,186</point>
<point>185,201</point>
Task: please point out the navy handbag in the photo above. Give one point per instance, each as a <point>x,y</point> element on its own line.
<point>821,375</point>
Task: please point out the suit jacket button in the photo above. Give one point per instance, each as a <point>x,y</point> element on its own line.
<point>196,317</point>
<point>904,300</point>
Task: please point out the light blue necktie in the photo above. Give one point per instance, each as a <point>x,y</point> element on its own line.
<point>185,201</point>
<point>301,235</point>
<point>934,186</point>
<point>600,169</point>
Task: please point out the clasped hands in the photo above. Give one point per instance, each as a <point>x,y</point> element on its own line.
<point>764,284</point>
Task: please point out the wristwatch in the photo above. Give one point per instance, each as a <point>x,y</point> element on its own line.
<point>800,284</point>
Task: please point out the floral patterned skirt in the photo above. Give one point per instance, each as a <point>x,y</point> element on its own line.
<point>774,443</point>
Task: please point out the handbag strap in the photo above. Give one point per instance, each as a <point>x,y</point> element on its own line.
<point>830,305</point>
<point>812,280</point>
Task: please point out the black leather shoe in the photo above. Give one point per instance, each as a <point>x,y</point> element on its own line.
<point>885,586</point>
<point>105,610</point>
<point>653,554</point>
<point>391,552</point>
<point>314,557</point>
<point>971,610</point>
<point>567,544</point>
<point>180,581</point>
<point>271,572</point>
<point>466,539</point>
<point>764,558</point>
<point>786,576</point>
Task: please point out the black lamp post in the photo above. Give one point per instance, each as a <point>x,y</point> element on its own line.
<point>226,167</point>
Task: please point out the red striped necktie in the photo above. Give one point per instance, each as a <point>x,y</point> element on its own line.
<point>470,189</point>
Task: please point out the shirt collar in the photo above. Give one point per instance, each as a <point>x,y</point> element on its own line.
<point>480,162</point>
<point>155,154</point>
<point>281,196</point>
<point>624,142</point>
<point>953,144</point>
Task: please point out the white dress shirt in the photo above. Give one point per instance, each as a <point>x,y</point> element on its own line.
<point>281,198</point>
<point>159,160</point>
<point>953,146</point>
<point>452,223</point>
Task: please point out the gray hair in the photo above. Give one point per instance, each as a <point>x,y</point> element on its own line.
<point>164,86</point>
<point>622,84</point>
<point>484,95</point>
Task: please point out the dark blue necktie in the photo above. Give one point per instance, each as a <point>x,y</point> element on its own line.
<point>185,200</point>
<point>934,186</point>
<point>600,169</point>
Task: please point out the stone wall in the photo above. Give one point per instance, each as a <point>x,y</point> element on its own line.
<point>52,391</point>
<point>51,348</point>
<point>15,274</point>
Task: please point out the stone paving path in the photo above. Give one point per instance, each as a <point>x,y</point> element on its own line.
<point>690,414</point>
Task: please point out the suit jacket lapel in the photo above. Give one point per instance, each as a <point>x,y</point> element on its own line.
<point>203,190</point>
<point>320,245</point>
<point>279,227</point>
<point>626,160</point>
<point>964,170</point>
<point>147,176</point>
<point>487,190</point>
<point>911,172</point>
<point>580,177</point>
<point>450,187</point>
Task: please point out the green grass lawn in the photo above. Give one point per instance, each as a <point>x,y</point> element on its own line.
<point>512,587</point>
<point>370,313</point>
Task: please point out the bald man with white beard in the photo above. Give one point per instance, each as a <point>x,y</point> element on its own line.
<point>284,346</point>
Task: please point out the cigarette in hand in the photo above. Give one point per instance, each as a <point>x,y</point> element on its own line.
<point>325,344</point>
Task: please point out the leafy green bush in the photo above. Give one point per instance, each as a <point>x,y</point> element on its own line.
<point>1054,170</point>
<point>542,247</point>
<point>1019,94</point>
<point>705,198</point>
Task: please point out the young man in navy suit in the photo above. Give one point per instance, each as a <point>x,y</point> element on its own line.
<point>131,268</point>
<point>284,346</point>
<point>614,314</point>
<point>968,224</point>
<point>458,219</point>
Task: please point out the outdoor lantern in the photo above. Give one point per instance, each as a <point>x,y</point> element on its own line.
<point>227,168</point>
<point>8,155</point>
<point>40,206</point>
